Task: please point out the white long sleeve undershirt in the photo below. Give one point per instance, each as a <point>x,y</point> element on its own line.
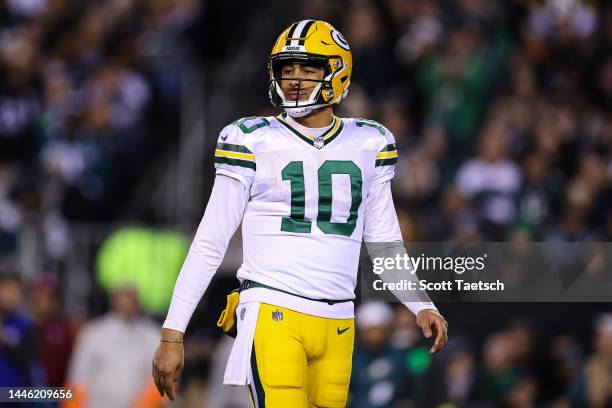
<point>222,217</point>
<point>382,226</point>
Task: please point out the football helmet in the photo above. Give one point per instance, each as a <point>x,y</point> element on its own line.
<point>316,43</point>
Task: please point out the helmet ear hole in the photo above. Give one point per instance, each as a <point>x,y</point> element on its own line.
<point>328,95</point>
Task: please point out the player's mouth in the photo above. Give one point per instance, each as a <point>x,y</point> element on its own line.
<point>295,96</point>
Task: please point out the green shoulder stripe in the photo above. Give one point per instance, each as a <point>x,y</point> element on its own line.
<point>385,162</point>
<point>389,148</point>
<point>235,162</point>
<point>233,148</point>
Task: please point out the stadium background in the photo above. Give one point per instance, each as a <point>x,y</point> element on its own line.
<point>109,112</point>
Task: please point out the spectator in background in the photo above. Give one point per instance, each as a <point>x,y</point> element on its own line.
<point>566,359</point>
<point>405,333</point>
<point>419,178</point>
<point>53,334</point>
<point>358,105</point>
<point>20,97</point>
<point>10,217</point>
<point>456,84</point>
<point>498,374</point>
<point>522,336</point>
<point>459,375</point>
<point>406,340</point>
<point>451,379</point>
<point>491,182</point>
<point>539,192</point>
<point>17,355</point>
<point>420,28</point>
<point>592,168</point>
<point>451,219</point>
<point>592,386</point>
<point>369,43</point>
<point>105,136</point>
<point>572,226</point>
<point>111,364</point>
<point>379,376</point>
<point>507,373</point>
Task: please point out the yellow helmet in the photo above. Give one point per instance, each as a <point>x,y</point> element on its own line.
<point>316,42</point>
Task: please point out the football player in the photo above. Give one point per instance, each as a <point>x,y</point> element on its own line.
<point>307,187</point>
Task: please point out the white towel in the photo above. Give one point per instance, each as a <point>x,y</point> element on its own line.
<point>236,372</point>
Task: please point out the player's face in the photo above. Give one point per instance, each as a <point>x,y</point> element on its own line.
<point>292,87</point>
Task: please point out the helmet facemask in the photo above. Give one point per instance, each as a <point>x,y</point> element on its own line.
<point>320,96</point>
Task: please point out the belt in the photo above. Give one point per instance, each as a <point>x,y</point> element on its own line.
<point>248,284</point>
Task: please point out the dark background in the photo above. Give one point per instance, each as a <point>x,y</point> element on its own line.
<point>109,112</point>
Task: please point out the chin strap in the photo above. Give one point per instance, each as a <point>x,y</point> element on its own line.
<point>300,112</point>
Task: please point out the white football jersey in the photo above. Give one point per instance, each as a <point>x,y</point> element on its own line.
<point>303,224</point>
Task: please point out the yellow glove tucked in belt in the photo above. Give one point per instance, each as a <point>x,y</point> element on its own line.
<point>227,319</point>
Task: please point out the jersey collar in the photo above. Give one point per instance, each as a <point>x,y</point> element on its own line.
<point>318,141</point>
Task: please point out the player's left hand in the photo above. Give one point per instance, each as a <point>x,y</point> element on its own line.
<point>431,322</point>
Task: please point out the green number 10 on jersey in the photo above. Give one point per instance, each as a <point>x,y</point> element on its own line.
<point>296,222</point>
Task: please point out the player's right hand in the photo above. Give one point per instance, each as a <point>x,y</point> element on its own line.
<point>167,364</point>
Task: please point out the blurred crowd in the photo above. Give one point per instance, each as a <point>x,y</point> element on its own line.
<point>502,112</point>
<point>514,367</point>
<point>89,97</point>
<point>107,360</point>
